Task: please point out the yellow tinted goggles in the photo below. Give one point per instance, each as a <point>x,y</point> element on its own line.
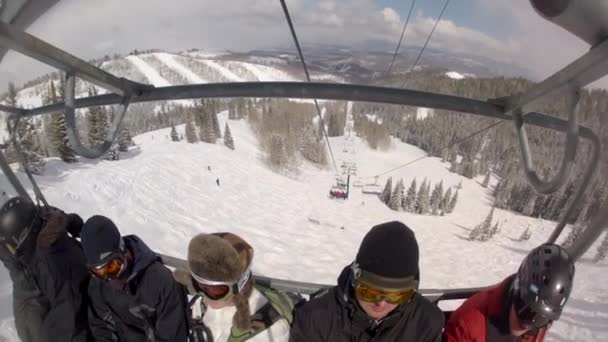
<point>369,293</point>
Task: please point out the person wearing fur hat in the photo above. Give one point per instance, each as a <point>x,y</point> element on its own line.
<point>231,307</point>
<point>376,298</point>
<point>133,296</point>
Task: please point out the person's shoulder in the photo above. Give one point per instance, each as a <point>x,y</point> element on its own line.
<point>428,310</point>
<point>321,302</point>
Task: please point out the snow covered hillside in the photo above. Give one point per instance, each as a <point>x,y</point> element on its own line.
<point>165,69</point>
<point>165,193</point>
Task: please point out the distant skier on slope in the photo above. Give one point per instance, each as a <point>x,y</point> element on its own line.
<point>217,181</point>
<point>231,307</point>
<point>520,308</point>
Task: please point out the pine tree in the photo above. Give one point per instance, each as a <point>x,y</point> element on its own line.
<point>278,156</point>
<point>602,249</point>
<point>445,202</point>
<point>26,137</point>
<point>423,202</point>
<point>484,230</point>
<point>409,202</point>
<point>575,232</point>
<point>124,139</point>
<point>486,180</point>
<point>97,123</point>
<point>174,135</point>
<point>216,125</point>
<point>207,130</point>
<point>388,189</point>
<point>232,111</point>
<point>453,201</point>
<point>58,132</point>
<point>437,198</point>
<point>228,138</point>
<point>526,235</point>
<point>191,136</point>
<point>495,230</point>
<point>397,196</point>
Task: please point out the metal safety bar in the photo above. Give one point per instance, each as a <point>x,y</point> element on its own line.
<point>12,178</point>
<point>11,110</point>
<point>70,124</point>
<point>547,187</point>
<point>592,167</point>
<point>589,234</point>
<point>25,43</point>
<point>590,67</point>
<point>300,90</point>
<point>310,288</point>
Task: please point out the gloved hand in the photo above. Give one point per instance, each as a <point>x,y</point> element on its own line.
<point>74,225</point>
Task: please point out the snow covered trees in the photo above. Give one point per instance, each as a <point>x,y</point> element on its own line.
<point>27,137</point>
<point>57,133</point>
<point>385,196</point>
<point>97,122</point>
<point>396,199</point>
<point>418,201</point>
<point>278,157</point>
<point>124,139</point>
<point>409,202</point>
<point>191,136</point>
<point>228,141</point>
<point>602,249</point>
<point>526,234</point>
<point>437,199</point>
<point>423,202</point>
<point>484,231</point>
<point>174,135</point>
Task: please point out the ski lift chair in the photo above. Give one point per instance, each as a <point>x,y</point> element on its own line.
<point>587,19</point>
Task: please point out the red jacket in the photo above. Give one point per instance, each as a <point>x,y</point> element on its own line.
<point>484,317</point>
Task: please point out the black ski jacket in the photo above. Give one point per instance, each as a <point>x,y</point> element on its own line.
<point>336,317</point>
<point>152,307</point>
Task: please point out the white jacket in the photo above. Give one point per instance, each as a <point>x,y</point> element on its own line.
<point>219,321</point>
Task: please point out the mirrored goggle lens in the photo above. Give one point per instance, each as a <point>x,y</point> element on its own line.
<point>109,270</point>
<point>214,292</point>
<point>372,294</point>
<point>526,315</point>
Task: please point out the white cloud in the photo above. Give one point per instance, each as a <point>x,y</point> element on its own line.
<point>90,29</point>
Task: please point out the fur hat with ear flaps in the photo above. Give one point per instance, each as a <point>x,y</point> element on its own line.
<point>221,257</point>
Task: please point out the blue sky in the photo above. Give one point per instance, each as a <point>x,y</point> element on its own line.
<point>505,30</point>
<point>464,12</point>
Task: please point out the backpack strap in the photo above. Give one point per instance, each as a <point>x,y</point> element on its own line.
<point>280,305</point>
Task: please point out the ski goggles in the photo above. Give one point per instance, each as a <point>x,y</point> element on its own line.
<point>526,315</point>
<point>111,269</point>
<point>370,293</point>
<point>218,290</point>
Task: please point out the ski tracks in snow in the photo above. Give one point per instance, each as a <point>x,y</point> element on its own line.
<point>180,68</point>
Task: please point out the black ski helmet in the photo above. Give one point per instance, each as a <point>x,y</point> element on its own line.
<point>16,220</point>
<point>544,280</point>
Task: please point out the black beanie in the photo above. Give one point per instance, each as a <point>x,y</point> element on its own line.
<point>389,250</point>
<point>100,238</point>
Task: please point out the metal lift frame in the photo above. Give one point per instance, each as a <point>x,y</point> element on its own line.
<point>584,70</point>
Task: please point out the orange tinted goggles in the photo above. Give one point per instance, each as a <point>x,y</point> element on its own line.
<point>110,270</point>
<point>368,293</point>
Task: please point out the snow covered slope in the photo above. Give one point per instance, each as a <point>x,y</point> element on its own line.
<point>164,193</point>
